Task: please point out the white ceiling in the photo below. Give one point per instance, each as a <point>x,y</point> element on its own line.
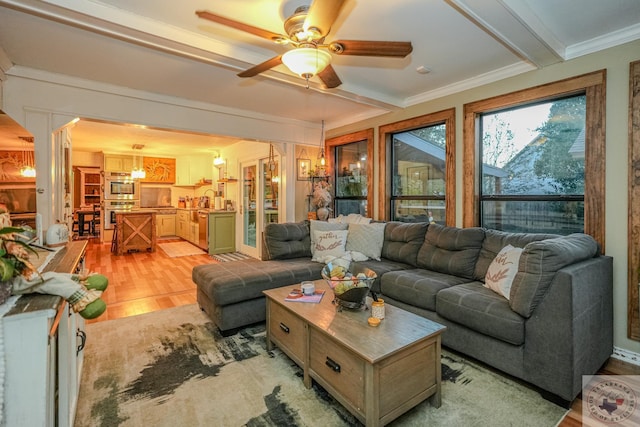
<point>163,47</point>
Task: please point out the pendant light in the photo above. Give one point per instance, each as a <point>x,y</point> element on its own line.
<point>322,161</point>
<point>271,164</point>
<point>138,171</point>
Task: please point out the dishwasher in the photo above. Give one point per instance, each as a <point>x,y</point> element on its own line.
<point>203,230</point>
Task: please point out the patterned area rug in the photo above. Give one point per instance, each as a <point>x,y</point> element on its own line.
<point>172,368</point>
<point>233,256</point>
<point>177,249</point>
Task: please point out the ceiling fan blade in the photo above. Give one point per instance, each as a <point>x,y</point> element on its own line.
<point>266,34</point>
<point>322,14</point>
<point>266,65</point>
<point>370,48</point>
<point>329,77</point>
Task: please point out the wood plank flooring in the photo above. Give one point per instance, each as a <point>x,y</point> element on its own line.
<point>144,282</point>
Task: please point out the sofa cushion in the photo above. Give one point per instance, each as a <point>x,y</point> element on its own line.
<point>495,240</point>
<point>539,263</point>
<point>481,310</point>
<point>417,287</point>
<point>315,225</point>
<point>236,281</point>
<point>503,270</point>
<point>329,244</point>
<point>383,267</point>
<point>366,239</point>
<point>451,250</point>
<point>287,240</point>
<point>402,241</point>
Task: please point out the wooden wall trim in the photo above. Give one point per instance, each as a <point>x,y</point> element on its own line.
<point>633,243</point>
<point>448,117</point>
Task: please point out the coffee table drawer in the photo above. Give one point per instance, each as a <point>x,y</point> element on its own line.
<point>287,331</point>
<point>341,369</point>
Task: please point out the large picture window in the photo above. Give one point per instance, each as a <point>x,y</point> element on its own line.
<point>350,160</point>
<point>418,169</point>
<point>417,164</point>
<point>532,167</point>
<point>553,182</point>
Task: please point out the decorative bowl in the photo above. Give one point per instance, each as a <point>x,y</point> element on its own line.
<point>350,285</point>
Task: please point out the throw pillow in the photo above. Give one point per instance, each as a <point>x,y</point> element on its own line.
<point>502,270</point>
<point>366,239</point>
<point>329,244</point>
<point>316,225</point>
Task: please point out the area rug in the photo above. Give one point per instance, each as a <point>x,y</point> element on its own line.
<point>178,249</point>
<point>232,256</point>
<point>173,368</point>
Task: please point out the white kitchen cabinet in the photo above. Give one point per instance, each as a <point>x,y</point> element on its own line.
<point>182,224</point>
<point>43,343</point>
<point>191,170</point>
<point>165,225</point>
<point>118,163</point>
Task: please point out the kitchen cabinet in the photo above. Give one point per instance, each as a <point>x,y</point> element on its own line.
<point>87,187</point>
<point>192,169</point>
<point>43,341</point>
<point>165,225</point>
<point>194,229</point>
<point>222,232</point>
<point>182,224</point>
<point>118,163</point>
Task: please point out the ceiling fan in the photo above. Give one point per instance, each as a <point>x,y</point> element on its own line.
<point>306,31</point>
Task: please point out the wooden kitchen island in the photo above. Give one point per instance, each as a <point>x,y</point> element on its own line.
<point>135,230</point>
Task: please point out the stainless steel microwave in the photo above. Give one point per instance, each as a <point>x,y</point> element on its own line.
<point>121,186</point>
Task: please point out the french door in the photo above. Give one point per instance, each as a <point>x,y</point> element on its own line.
<point>260,203</point>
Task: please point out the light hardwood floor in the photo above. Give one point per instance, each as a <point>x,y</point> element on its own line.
<point>143,282</point>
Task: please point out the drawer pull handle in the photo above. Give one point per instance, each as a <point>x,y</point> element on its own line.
<point>83,340</point>
<point>333,365</point>
<point>284,327</point>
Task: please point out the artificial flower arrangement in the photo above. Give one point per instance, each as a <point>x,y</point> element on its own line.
<point>19,276</point>
<point>321,194</point>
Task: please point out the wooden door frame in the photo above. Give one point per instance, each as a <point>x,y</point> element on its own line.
<point>633,242</point>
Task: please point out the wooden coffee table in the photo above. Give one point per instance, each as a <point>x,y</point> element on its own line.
<point>377,373</point>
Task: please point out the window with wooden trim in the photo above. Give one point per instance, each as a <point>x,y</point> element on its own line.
<point>418,160</point>
<point>562,185</point>
<point>350,163</point>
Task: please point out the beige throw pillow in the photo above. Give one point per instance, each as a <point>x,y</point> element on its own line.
<point>316,225</point>
<point>502,270</point>
<point>366,239</point>
<point>329,245</point>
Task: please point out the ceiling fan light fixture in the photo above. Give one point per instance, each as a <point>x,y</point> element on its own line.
<point>306,61</point>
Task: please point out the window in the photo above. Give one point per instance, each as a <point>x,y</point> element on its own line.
<point>418,159</point>
<point>351,178</point>
<point>418,168</point>
<point>555,182</point>
<point>350,160</point>
<point>532,167</point>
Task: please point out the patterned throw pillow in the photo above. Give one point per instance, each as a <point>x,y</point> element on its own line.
<point>502,270</point>
<point>367,239</point>
<point>316,225</point>
<point>329,244</point>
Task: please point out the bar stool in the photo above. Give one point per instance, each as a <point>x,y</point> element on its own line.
<point>114,240</point>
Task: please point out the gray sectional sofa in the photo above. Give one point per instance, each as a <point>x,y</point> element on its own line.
<point>556,326</point>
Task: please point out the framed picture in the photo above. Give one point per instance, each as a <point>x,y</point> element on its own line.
<point>304,166</point>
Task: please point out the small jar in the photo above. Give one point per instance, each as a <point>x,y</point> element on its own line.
<point>377,309</point>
